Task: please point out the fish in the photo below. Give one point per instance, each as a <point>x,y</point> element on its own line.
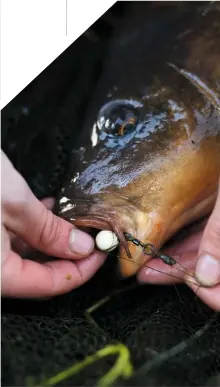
<point>149,149</point>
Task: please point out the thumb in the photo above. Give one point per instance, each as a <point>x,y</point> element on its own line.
<point>29,219</point>
<point>207,271</point>
<point>48,233</point>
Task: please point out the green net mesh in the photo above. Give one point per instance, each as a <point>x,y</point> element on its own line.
<point>141,335</point>
<point>172,338</point>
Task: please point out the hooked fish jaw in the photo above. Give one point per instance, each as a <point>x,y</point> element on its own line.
<point>157,227</point>
<point>150,228</point>
<point>127,218</point>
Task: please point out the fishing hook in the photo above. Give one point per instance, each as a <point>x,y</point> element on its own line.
<point>150,250</point>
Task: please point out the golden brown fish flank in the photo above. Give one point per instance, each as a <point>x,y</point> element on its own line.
<point>153,162</point>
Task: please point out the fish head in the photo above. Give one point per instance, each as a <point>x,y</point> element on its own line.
<point>151,150</point>
<point>147,172</point>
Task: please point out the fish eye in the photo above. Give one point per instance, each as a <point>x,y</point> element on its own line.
<point>118,118</point>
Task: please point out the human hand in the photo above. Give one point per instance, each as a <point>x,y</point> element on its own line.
<point>24,216</point>
<point>199,255</point>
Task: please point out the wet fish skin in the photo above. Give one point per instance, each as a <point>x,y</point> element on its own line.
<point>159,171</point>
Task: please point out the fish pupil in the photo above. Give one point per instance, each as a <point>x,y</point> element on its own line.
<point>120,120</point>
<point>124,125</point>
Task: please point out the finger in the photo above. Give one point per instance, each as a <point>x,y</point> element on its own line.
<point>28,218</point>
<point>210,296</point>
<point>5,244</point>
<point>207,271</point>
<point>28,279</point>
<point>18,245</point>
<point>48,203</point>
<point>53,235</point>
<point>185,235</point>
<point>157,272</point>
<point>189,244</point>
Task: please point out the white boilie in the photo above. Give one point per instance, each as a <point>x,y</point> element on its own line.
<point>106,240</point>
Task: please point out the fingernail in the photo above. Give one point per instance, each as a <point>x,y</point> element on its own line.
<point>207,270</point>
<point>80,242</point>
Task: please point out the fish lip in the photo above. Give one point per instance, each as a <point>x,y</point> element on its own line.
<point>92,221</point>
<point>104,222</point>
<point>112,212</point>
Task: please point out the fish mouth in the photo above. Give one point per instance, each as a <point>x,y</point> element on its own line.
<point>105,222</point>
<point>131,255</point>
<point>123,218</point>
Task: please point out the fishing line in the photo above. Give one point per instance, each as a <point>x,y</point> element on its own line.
<point>148,248</point>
